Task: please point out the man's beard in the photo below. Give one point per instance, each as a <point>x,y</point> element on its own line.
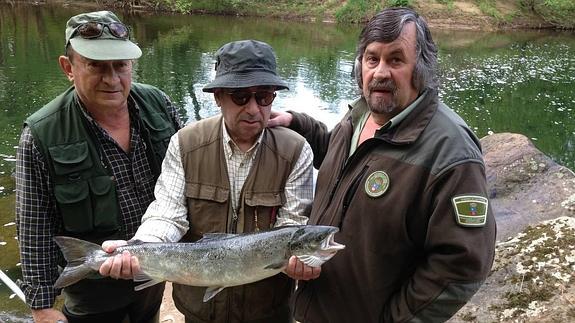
<point>381,105</point>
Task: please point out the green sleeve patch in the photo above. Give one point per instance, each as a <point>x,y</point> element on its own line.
<point>470,210</point>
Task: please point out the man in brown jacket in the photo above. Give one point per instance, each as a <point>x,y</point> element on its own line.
<point>403,178</point>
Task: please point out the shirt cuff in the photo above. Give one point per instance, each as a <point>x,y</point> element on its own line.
<point>39,297</point>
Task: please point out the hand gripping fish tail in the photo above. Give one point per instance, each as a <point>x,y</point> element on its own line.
<point>216,261</point>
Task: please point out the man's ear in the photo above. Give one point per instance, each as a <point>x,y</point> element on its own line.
<point>66,66</point>
<point>217,98</point>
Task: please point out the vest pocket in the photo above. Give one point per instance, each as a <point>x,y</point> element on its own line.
<point>105,204</point>
<point>207,208</point>
<point>161,128</point>
<point>86,198</point>
<point>70,158</point>
<point>75,206</point>
<point>269,199</point>
<point>162,131</point>
<point>265,206</point>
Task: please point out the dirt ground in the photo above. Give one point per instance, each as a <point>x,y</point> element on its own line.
<point>466,15</point>
<point>168,311</point>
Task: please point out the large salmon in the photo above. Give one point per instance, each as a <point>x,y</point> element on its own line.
<point>217,261</point>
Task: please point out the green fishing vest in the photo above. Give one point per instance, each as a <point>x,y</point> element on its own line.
<point>84,186</point>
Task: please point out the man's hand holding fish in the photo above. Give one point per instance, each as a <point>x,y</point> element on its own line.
<point>121,266</point>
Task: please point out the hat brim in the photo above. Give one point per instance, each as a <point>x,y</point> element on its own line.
<point>102,49</point>
<point>244,80</point>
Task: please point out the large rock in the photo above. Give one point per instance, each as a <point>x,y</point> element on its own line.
<point>533,199</point>
<point>525,186</point>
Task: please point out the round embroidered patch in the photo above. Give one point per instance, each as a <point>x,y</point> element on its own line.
<point>376,183</point>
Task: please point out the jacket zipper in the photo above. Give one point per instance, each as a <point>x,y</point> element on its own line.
<point>345,165</point>
<point>350,193</point>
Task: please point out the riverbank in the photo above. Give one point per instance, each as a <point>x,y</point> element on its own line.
<point>443,14</point>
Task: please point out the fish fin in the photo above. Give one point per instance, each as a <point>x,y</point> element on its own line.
<point>311,261</point>
<point>72,275</point>
<point>147,284</point>
<point>278,265</point>
<point>134,242</point>
<point>211,292</point>
<point>141,277</point>
<point>75,252</point>
<point>216,236</point>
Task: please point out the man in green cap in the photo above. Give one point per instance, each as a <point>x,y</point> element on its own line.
<point>228,173</point>
<point>86,167</point>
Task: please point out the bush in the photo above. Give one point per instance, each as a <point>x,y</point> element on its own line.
<point>398,3</point>
<point>357,10</point>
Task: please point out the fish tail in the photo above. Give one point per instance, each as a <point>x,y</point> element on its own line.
<point>75,252</point>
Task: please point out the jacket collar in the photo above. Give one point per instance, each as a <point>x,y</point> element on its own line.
<point>408,125</point>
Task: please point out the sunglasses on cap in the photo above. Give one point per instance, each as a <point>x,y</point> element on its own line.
<point>95,29</point>
<point>242,97</point>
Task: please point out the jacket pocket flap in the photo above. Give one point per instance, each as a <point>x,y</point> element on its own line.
<point>71,192</point>
<point>265,199</point>
<point>101,185</point>
<point>70,158</point>
<point>207,192</point>
<point>159,126</point>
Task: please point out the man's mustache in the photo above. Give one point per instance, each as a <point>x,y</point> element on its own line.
<point>382,85</point>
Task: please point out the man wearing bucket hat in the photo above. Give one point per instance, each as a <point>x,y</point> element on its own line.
<point>228,173</point>
<point>86,167</point>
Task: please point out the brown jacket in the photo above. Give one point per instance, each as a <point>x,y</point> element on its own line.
<point>406,258</point>
<point>208,193</point>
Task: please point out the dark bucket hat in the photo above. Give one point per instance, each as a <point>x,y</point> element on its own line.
<point>245,63</point>
<point>106,46</point>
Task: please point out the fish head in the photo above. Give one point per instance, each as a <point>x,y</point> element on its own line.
<point>314,244</point>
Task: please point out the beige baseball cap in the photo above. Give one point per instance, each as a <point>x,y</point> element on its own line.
<point>100,35</point>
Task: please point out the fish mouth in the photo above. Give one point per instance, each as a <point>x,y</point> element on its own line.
<point>329,247</point>
<point>314,252</point>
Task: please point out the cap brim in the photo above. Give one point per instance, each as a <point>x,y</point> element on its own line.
<point>246,79</point>
<point>102,49</point>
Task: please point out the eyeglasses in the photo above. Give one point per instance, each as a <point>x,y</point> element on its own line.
<point>242,97</point>
<point>94,29</point>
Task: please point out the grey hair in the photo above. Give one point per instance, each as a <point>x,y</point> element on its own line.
<point>386,26</point>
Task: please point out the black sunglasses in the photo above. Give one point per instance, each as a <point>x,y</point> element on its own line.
<point>95,29</point>
<point>242,97</point>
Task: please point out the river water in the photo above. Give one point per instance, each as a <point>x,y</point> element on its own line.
<point>516,81</point>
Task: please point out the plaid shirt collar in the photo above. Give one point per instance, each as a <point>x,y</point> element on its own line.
<point>232,148</point>
<point>133,108</point>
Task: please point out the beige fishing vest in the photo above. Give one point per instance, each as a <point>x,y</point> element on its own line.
<point>208,199</point>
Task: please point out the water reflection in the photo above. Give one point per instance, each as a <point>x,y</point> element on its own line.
<point>314,60</point>
<point>503,82</point>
